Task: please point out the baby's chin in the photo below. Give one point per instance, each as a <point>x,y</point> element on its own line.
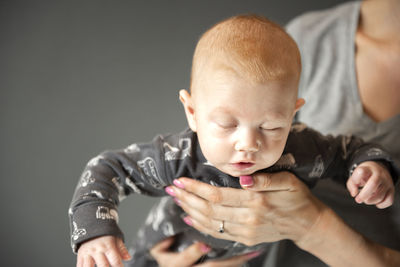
<point>239,172</point>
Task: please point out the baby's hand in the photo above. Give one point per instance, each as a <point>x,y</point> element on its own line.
<point>372,184</point>
<point>102,251</point>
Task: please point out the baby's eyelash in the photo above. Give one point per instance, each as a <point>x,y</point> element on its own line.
<point>271,129</point>
<point>227,126</point>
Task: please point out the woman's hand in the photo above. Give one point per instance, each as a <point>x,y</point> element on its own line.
<point>273,207</point>
<point>191,255</point>
<point>276,206</point>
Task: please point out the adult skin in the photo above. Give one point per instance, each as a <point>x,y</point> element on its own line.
<point>279,206</point>
<point>282,207</point>
<point>192,254</point>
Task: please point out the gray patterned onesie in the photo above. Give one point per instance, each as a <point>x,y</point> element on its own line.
<point>148,168</point>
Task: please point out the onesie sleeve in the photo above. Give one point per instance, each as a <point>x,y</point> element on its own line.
<point>327,156</point>
<point>106,180</point>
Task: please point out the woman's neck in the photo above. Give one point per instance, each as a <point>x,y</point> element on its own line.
<point>380,19</point>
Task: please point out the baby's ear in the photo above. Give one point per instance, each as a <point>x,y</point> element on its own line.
<point>187,102</point>
<point>299,103</point>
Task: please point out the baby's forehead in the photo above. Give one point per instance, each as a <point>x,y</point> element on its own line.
<point>224,87</point>
<point>217,79</point>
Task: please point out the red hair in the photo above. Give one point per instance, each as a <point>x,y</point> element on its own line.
<point>249,45</point>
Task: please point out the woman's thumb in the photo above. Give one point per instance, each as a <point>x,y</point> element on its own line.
<point>278,181</point>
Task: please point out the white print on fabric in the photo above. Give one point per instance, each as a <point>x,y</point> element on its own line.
<point>133,186</point>
<point>94,161</point>
<point>86,179</point>
<point>157,217</point>
<point>355,165</point>
<point>98,194</point>
<point>168,229</point>
<point>286,161</point>
<point>180,153</point>
<point>121,191</point>
<point>78,232</point>
<point>207,163</point>
<point>132,149</point>
<point>149,168</point>
<point>128,168</point>
<point>318,168</point>
<point>141,237</point>
<point>105,213</point>
<point>374,152</point>
<point>213,183</point>
<point>222,180</point>
<point>345,142</point>
<point>298,127</point>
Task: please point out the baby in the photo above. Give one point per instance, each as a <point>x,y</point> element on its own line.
<point>242,100</point>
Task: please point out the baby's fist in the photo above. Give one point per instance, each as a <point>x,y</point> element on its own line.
<point>102,251</point>
<point>372,184</point>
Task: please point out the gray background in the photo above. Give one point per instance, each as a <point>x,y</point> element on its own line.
<point>78,77</point>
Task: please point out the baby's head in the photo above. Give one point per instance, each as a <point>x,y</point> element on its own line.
<point>244,81</point>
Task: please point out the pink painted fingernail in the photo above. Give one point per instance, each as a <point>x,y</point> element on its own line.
<point>188,221</point>
<point>254,254</point>
<point>178,184</point>
<point>177,201</point>
<point>246,180</point>
<point>170,191</point>
<point>204,248</point>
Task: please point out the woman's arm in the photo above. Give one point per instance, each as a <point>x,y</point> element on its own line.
<point>275,207</point>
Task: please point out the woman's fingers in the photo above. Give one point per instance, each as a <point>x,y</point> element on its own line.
<point>277,181</point>
<point>236,261</point>
<point>185,258</point>
<point>212,229</point>
<point>280,181</point>
<point>277,206</point>
<point>227,196</point>
<point>162,246</point>
<point>197,206</point>
<point>192,254</point>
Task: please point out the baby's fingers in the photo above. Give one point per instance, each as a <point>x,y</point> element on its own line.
<point>85,262</point>
<point>352,187</point>
<point>372,193</point>
<point>100,259</point>
<point>80,260</point>
<point>114,258</point>
<point>358,179</point>
<point>387,201</point>
<point>123,251</point>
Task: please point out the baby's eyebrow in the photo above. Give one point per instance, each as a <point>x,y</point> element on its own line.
<point>221,110</point>
<point>278,120</point>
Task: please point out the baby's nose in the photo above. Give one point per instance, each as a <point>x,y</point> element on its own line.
<point>247,142</point>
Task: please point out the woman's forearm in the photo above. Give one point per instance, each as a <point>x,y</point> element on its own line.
<point>335,243</point>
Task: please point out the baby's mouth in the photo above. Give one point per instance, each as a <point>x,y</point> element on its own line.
<point>243,165</point>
